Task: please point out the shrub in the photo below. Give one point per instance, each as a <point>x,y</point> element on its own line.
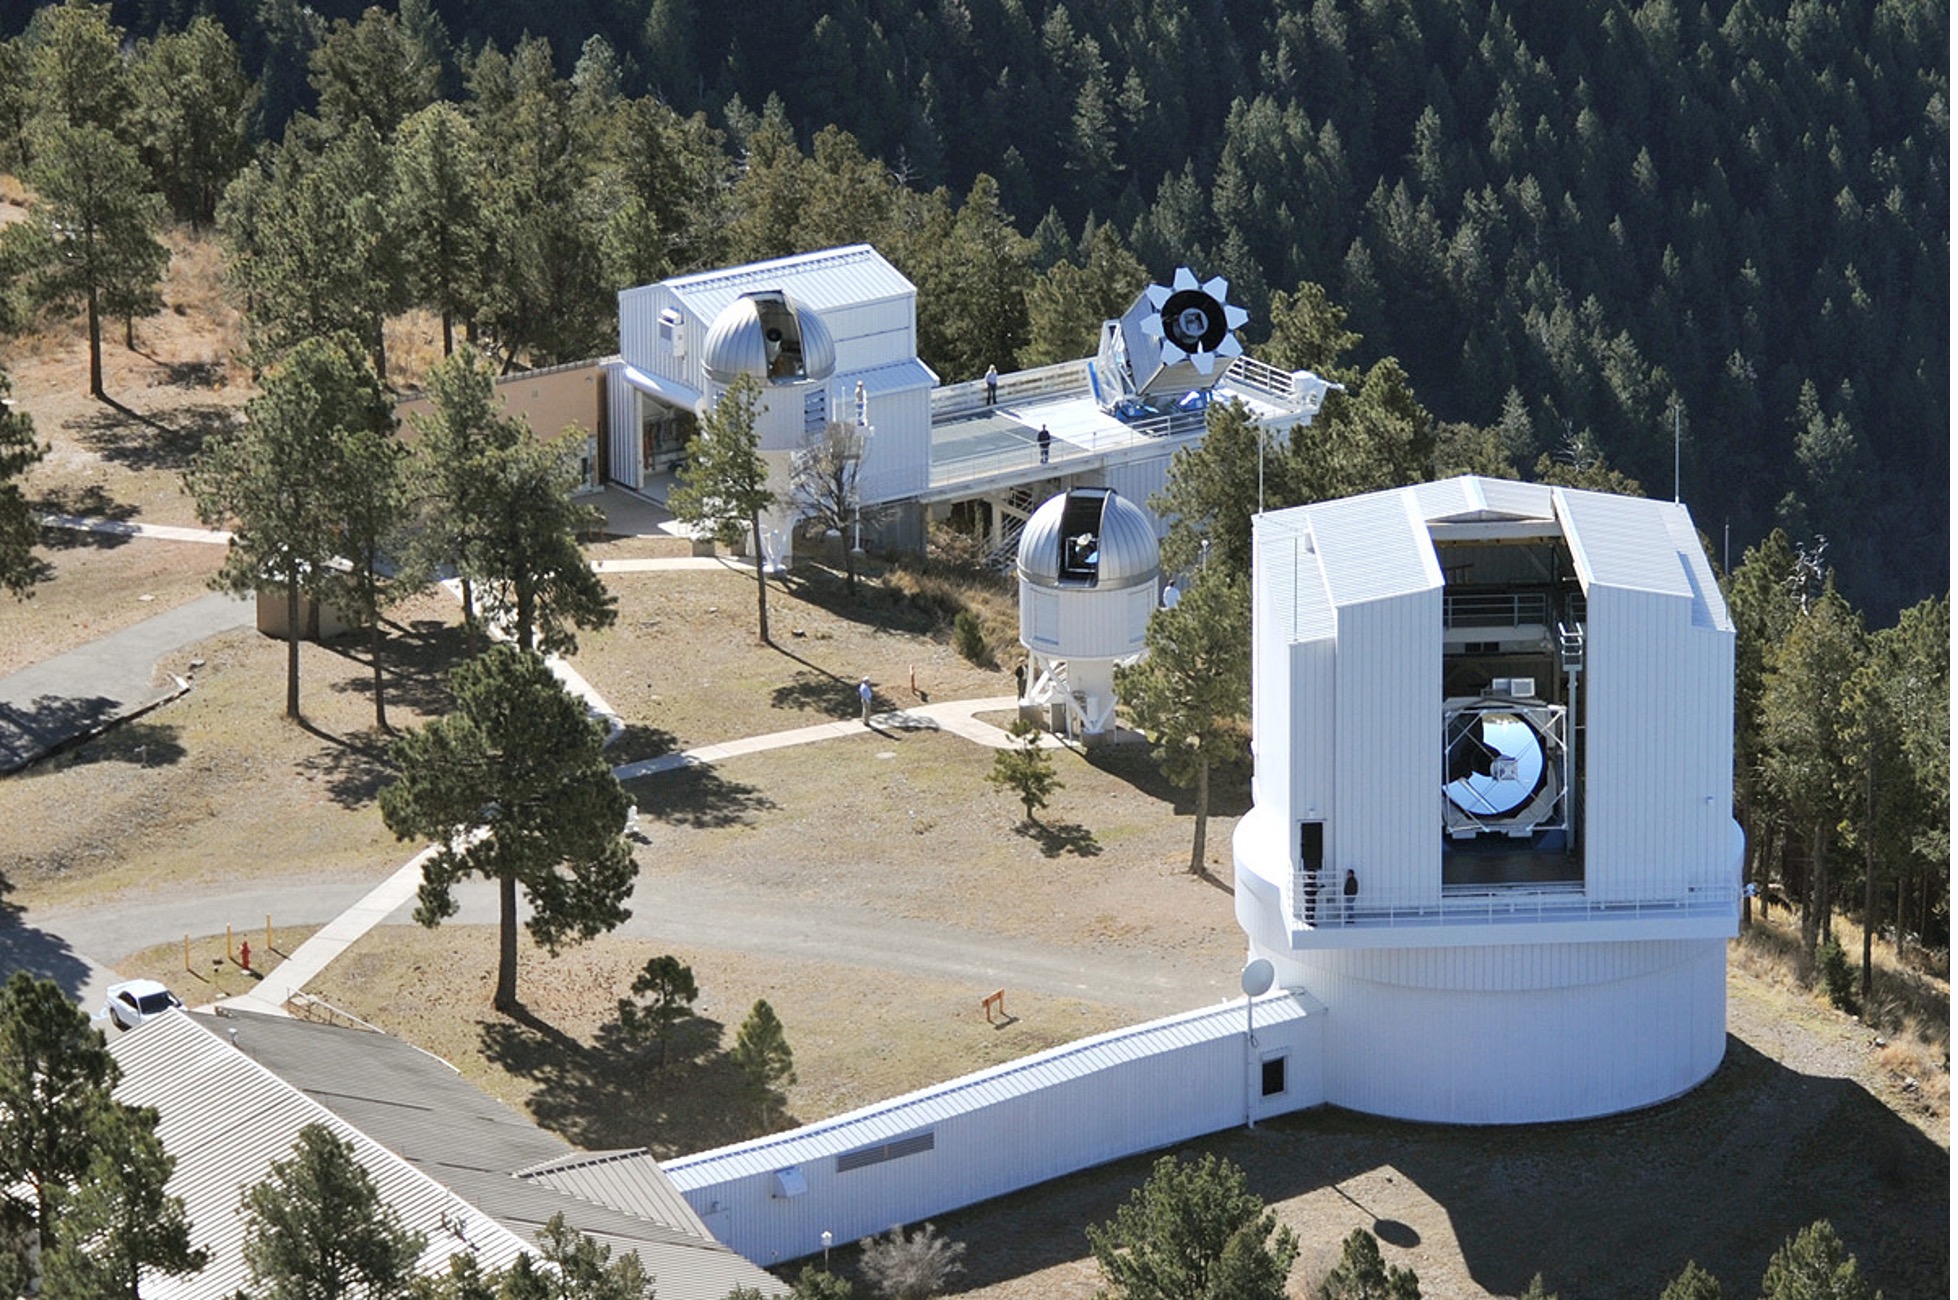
<point>911,1267</point>
<point>1837,978</point>
<point>969,639</point>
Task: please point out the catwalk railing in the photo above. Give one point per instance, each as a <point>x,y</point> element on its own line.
<point>1504,905</point>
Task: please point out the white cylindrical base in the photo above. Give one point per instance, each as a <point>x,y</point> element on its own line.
<point>1515,1034</point>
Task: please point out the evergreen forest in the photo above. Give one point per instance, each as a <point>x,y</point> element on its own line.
<point>1572,241</point>
<point>1728,217</point>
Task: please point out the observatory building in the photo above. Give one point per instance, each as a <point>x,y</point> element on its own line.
<point>1088,568</point>
<point>1492,827</point>
<point>832,337</point>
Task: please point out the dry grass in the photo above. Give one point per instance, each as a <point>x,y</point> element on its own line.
<point>1908,1018</point>
<point>685,666</point>
<point>211,973</point>
<point>853,1043</point>
<point>217,787</point>
<point>100,585</point>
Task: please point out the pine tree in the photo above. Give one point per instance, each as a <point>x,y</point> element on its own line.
<point>1025,768</point>
<point>667,985</point>
<point>1693,1283</point>
<point>723,488</point>
<point>98,220</point>
<point>761,1052</point>
<point>1194,1231</point>
<point>193,116</point>
<point>438,184</point>
<point>458,442</point>
<point>1362,1274</point>
<point>55,1077</point>
<point>277,478</point>
<point>527,564</point>
<point>119,1224</point>
<point>1191,693</point>
<point>1814,1265</point>
<point>20,568</point>
<point>318,1229</point>
<point>512,785</point>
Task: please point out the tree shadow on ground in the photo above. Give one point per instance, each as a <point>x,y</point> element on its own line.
<point>55,724</point>
<point>125,436</point>
<point>1595,1205</point>
<point>89,502</point>
<point>354,767</point>
<point>138,742</point>
<point>1056,838</point>
<point>1230,783</point>
<point>415,664</point>
<point>874,603</point>
<point>817,690</point>
<point>30,948</point>
<point>603,1096</point>
<point>697,796</point>
<point>637,742</point>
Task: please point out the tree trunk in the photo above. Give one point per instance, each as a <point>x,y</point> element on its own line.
<point>761,580</point>
<point>469,615</point>
<point>1203,815</point>
<point>129,333</point>
<point>448,334</point>
<point>374,653</point>
<point>1811,902</point>
<point>95,347</point>
<point>292,646</point>
<point>1869,867</point>
<point>506,951</point>
<point>526,614</point>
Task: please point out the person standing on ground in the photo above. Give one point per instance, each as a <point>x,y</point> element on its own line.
<point>992,385</point>
<point>1046,441</point>
<point>863,698</point>
<point>1352,892</point>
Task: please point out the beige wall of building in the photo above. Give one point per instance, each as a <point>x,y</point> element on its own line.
<point>549,400</point>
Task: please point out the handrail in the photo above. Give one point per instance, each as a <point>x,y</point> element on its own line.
<point>1562,901</point>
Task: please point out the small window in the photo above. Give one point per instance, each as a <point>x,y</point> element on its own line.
<point>1274,1076</point>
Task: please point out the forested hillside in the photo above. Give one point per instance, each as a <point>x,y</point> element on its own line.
<point>1734,211</point>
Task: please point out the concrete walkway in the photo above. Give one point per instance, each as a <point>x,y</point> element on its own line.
<point>106,681</point>
<point>120,528</point>
<point>326,945</point>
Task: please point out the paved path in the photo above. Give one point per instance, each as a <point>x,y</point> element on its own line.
<point>88,688</point>
<point>120,667</point>
<point>124,528</point>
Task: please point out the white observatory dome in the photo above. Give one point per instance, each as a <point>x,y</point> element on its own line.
<point>1090,537</point>
<point>771,336</point>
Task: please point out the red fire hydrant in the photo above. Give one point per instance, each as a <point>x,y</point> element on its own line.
<point>245,955</point>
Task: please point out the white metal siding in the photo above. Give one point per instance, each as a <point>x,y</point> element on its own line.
<point>1658,748</point>
<point>897,462</point>
<point>1040,618</point>
<point>1138,480</point>
<point>1519,1034</point>
<point>1314,726</point>
<point>622,407</point>
<point>994,1133</point>
<point>1387,762</point>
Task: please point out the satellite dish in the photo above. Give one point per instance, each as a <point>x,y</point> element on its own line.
<point>1257,977</point>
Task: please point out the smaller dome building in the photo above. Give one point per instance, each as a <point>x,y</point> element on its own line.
<point>771,336</point>
<point>1089,570</point>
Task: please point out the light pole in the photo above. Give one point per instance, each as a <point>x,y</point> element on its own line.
<point>1255,981</point>
<point>827,1238</point>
